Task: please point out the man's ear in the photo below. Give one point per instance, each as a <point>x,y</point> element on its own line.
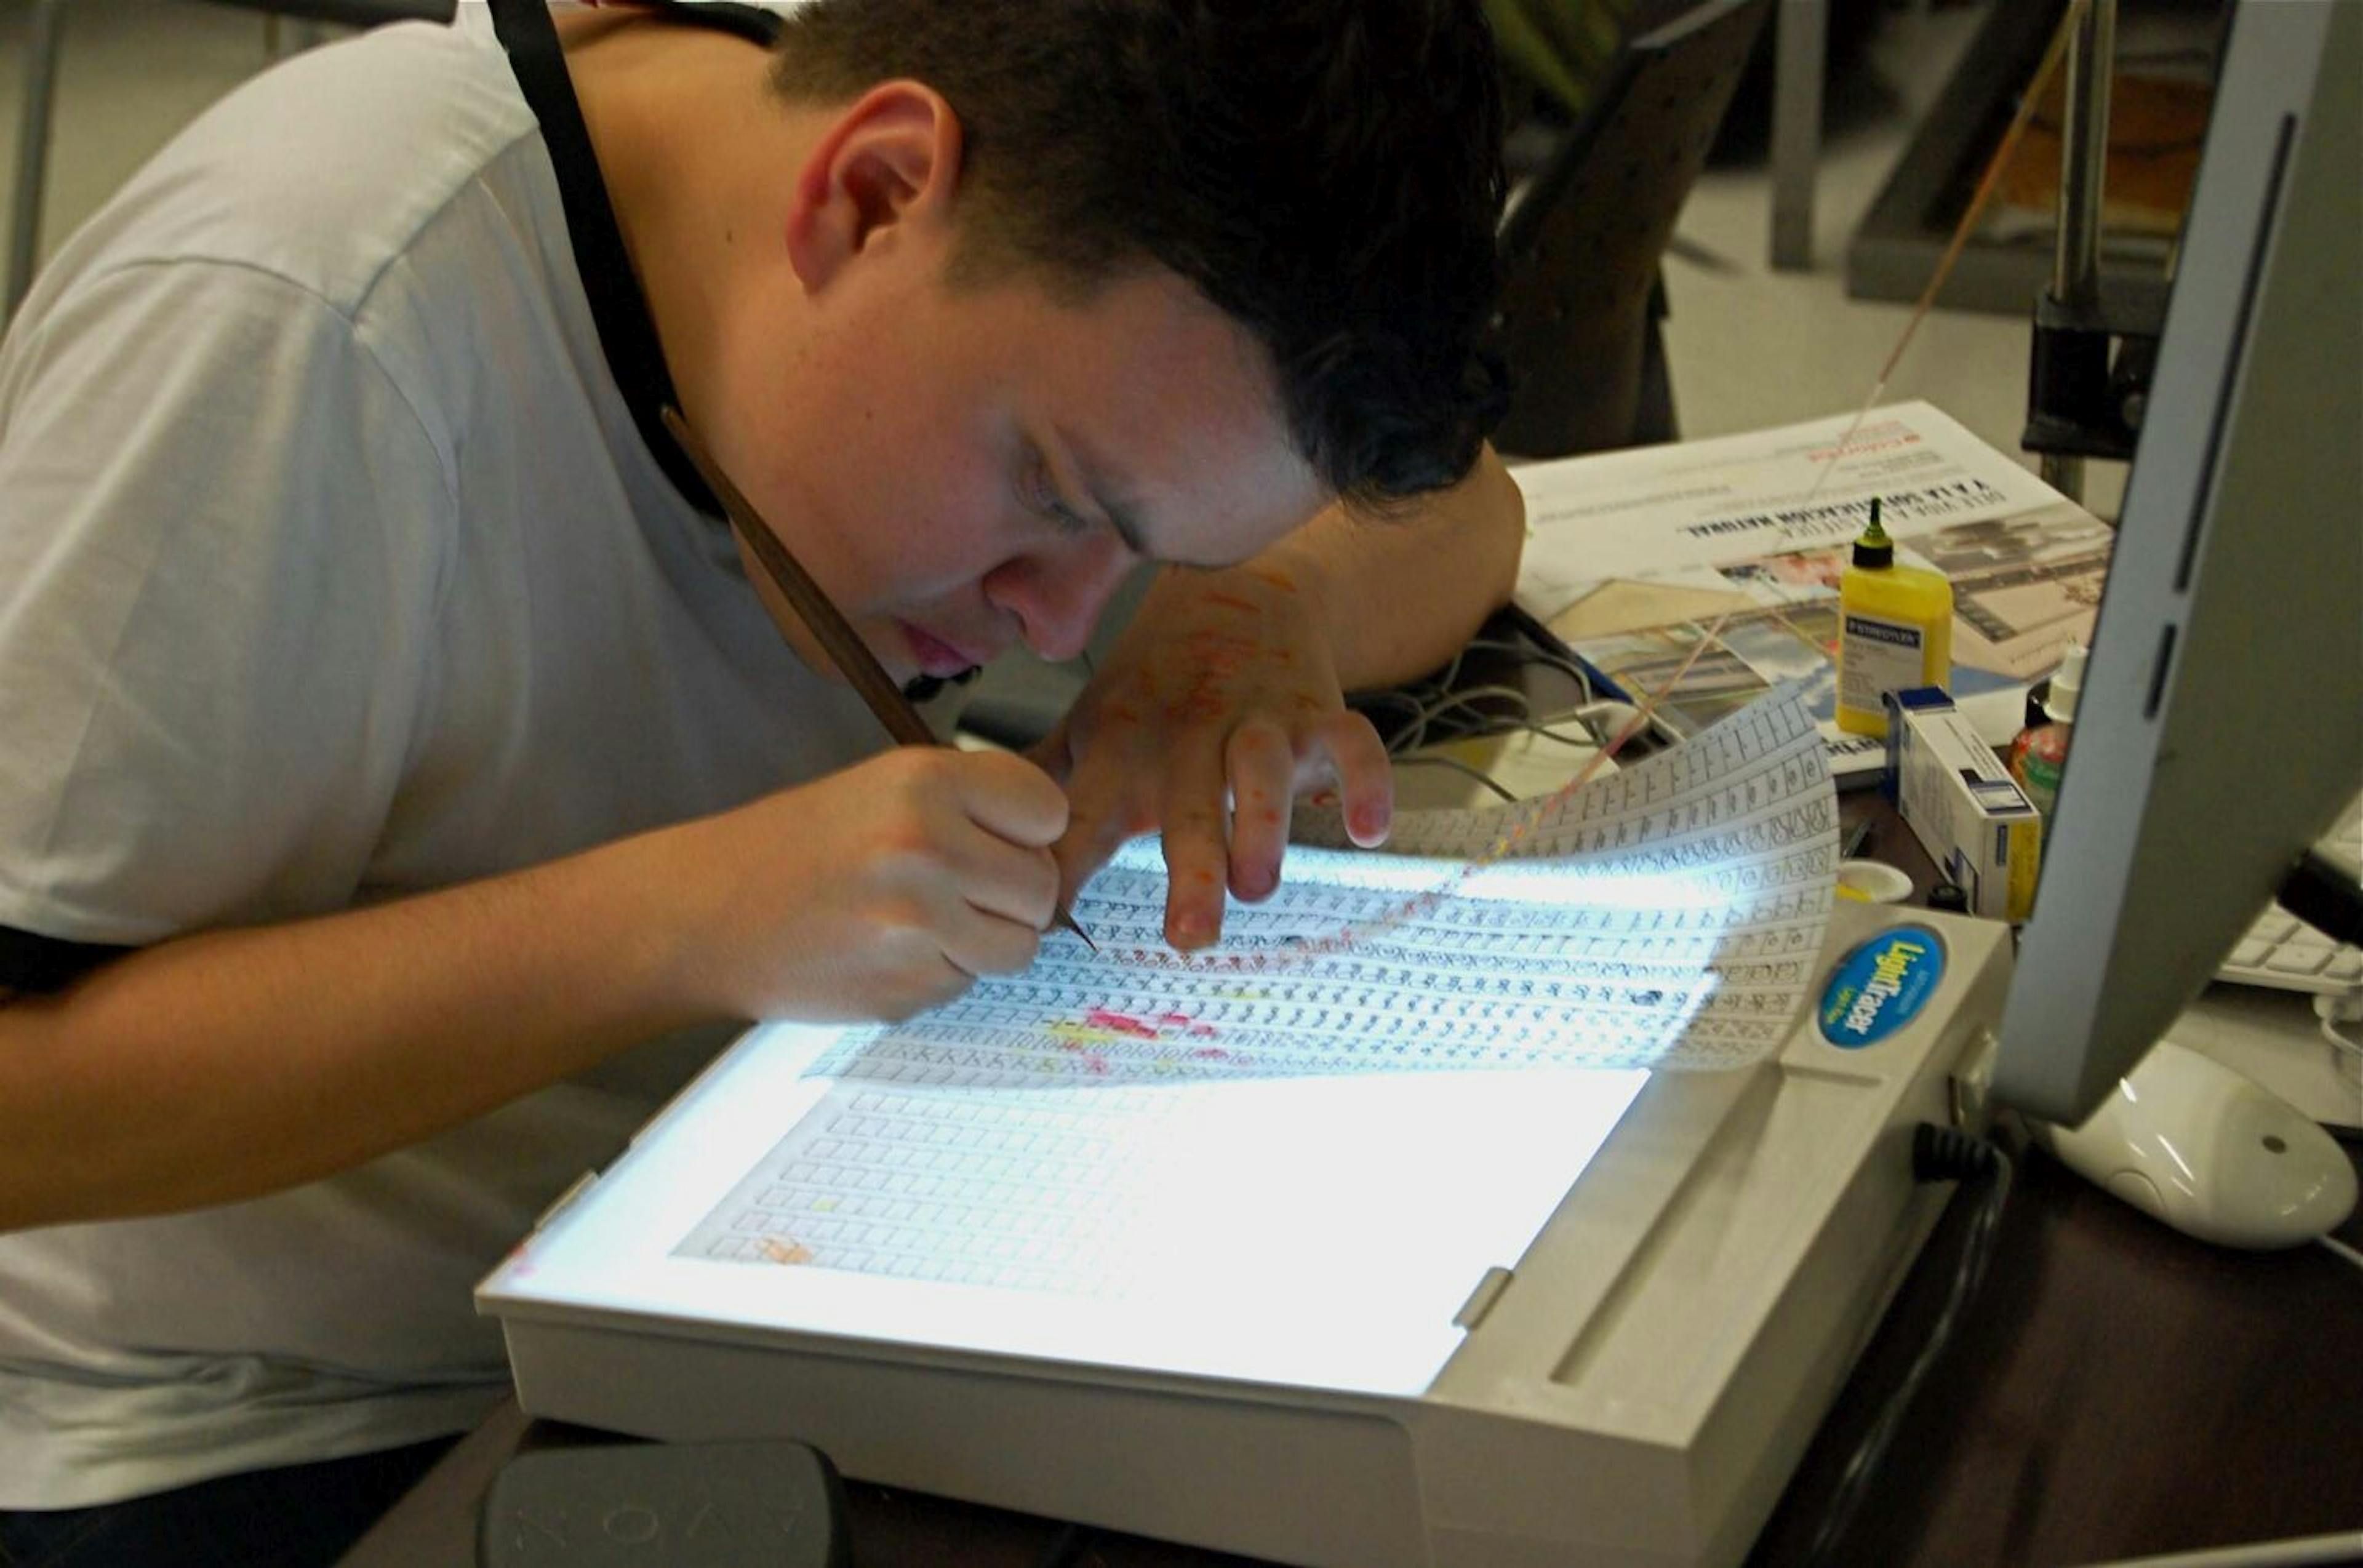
<point>890,160</point>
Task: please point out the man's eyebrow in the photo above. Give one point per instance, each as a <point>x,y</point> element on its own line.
<point>1107,496</point>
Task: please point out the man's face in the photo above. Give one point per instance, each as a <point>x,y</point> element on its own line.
<point>965,469</point>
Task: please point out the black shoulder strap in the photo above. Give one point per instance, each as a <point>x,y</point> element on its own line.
<point>626,332</point>
<point>754,23</point>
<point>31,963</point>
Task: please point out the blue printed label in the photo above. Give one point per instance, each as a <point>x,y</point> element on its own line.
<point>1900,635</point>
<point>1881,986</point>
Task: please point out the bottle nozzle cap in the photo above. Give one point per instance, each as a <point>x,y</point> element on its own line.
<point>1873,547</point>
<point>2067,685</point>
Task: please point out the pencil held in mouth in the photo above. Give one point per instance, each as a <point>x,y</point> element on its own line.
<point>828,626</point>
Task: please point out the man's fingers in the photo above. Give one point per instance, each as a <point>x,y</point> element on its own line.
<point>1091,838</point>
<point>1260,765</point>
<point>979,943</point>
<point>1103,809</point>
<point>1054,754</point>
<point>1007,880</point>
<point>1197,862</point>
<point>1011,797</point>
<point>1366,781</point>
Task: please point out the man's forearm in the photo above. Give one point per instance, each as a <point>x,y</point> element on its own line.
<point>225,1065</point>
<point>1400,595</point>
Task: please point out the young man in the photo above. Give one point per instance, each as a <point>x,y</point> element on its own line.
<point>399,743</point>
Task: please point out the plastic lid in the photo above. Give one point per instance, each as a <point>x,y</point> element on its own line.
<point>2067,685</point>
<point>1874,547</point>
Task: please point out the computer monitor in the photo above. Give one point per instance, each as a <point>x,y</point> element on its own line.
<point>2221,726</point>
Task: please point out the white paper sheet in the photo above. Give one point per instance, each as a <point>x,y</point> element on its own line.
<point>1632,556</point>
<point>1664,916</point>
<point>1656,509</point>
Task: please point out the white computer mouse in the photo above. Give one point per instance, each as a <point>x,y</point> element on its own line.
<point>2185,1139</point>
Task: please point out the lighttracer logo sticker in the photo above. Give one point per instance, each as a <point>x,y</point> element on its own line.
<point>1881,986</point>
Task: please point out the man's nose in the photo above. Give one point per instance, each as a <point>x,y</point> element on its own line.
<point>1058,595</point>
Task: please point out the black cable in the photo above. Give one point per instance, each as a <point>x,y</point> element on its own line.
<point>1066,1548</point>
<point>1435,700</point>
<point>2324,894</point>
<point>1938,1155</point>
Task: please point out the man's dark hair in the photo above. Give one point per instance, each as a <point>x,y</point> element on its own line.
<point>1328,173</point>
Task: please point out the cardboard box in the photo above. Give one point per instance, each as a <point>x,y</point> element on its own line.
<point>1969,814</point>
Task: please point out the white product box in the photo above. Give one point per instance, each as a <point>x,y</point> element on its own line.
<point>1971,815</point>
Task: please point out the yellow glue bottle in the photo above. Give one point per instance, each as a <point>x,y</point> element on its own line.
<point>1895,630</point>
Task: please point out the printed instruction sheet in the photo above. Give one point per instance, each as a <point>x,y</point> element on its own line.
<point>1130,1124</point>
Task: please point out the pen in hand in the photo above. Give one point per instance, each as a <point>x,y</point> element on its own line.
<point>836,635</point>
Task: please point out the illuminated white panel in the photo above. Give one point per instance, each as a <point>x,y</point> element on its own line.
<point>1290,1161</point>
<point>1315,1231</point>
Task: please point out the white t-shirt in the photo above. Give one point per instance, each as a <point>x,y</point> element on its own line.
<point>332,569</point>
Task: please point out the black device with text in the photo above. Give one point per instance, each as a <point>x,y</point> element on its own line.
<point>625,1505</point>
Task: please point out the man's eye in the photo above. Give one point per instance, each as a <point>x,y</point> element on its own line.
<point>1041,496</point>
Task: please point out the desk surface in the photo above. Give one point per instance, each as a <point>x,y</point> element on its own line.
<point>2118,1390</point>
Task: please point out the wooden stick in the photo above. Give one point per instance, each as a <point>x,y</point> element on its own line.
<point>837,639</point>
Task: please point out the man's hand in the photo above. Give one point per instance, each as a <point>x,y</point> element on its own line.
<point>1218,706</point>
<point>875,892</point>
<point>1225,697</point>
<point>222,1065</point>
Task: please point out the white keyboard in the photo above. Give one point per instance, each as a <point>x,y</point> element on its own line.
<point>2283,951</point>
